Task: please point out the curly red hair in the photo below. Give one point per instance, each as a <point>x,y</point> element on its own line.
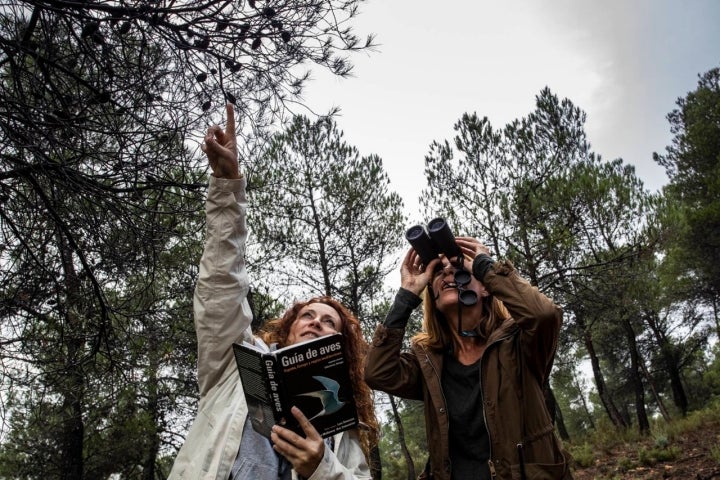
<point>278,331</point>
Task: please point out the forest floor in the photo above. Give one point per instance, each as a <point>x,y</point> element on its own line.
<point>691,454</point>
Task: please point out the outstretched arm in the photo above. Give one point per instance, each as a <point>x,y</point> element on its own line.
<point>386,368</point>
<point>222,313</point>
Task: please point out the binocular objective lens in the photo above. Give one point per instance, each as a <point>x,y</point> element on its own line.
<point>414,233</point>
<point>437,225</point>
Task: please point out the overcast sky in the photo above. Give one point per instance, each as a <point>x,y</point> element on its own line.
<point>623,62</point>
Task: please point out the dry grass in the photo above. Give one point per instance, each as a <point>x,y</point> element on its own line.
<point>687,448</point>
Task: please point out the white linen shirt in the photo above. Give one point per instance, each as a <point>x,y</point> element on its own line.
<point>223,316</point>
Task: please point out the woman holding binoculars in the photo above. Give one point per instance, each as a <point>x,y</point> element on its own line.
<point>479,363</point>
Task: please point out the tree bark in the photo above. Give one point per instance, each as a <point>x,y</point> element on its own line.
<point>556,412</point>
<point>669,355</point>
<point>636,380</point>
<point>401,439</point>
<point>605,398</point>
<point>658,399</point>
<point>152,408</point>
<point>585,407</point>
<point>71,383</point>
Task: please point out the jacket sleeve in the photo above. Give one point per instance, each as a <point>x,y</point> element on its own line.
<point>386,368</point>
<point>222,313</point>
<point>347,463</point>
<point>538,317</point>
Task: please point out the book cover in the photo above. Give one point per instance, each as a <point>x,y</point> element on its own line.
<point>311,375</point>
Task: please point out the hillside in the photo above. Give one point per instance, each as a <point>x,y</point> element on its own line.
<point>691,452</point>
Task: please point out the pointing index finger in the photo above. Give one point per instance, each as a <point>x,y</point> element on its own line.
<point>230,125</point>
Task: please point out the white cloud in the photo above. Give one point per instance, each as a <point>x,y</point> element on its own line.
<point>624,63</point>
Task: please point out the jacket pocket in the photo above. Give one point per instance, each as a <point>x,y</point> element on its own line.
<point>540,471</point>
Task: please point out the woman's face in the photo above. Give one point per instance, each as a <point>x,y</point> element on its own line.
<point>313,321</point>
<point>445,289</point>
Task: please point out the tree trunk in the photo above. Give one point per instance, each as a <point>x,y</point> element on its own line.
<point>658,399</point>
<point>717,316</point>
<point>585,407</point>
<point>152,408</point>
<point>636,380</point>
<point>556,412</point>
<point>73,428</point>
<point>605,398</point>
<point>375,463</point>
<point>668,353</point>
<point>401,439</point>
<point>72,384</point>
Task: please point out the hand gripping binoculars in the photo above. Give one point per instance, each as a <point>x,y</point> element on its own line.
<point>438,239</point>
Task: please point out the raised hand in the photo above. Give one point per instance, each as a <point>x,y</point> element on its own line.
<point>220,146</point>
<point>414,276</point>
<point>471,247</point>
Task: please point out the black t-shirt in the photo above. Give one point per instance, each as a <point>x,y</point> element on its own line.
<point>469,440</point>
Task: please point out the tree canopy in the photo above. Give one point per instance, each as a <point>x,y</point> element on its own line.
<point>324,219</point>
<point>101,193</point>
<point>692,163</point>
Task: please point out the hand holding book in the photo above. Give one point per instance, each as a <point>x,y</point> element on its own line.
<point>306,453</point>
<point>311,375</point>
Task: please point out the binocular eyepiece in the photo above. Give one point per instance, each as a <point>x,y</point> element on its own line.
<point>437,239</point>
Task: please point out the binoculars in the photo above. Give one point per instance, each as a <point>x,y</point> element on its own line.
<point>437,239</point>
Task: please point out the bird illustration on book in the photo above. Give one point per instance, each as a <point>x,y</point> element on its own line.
<point>329,397</point>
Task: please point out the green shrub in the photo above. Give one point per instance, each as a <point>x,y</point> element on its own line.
<point>583,455</point>
<point>651,456</point>
<point>694,420</point>
<point>625,464</point>
<point>715,453</point>
<point>607,436</point>
<point>661,441</point>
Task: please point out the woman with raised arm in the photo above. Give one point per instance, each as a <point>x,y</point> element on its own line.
<point>221,444</point>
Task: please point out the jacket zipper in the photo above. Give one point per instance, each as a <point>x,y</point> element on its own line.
<point>521,458</point>
<point>491,464</point>
<point>493,474</point>
<point>432,365</point>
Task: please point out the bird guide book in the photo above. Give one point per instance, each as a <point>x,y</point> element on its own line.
<point>312,375</point>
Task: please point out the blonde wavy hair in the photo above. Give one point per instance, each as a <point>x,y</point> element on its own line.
<point>278,330</point>
<point>436,333</point>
